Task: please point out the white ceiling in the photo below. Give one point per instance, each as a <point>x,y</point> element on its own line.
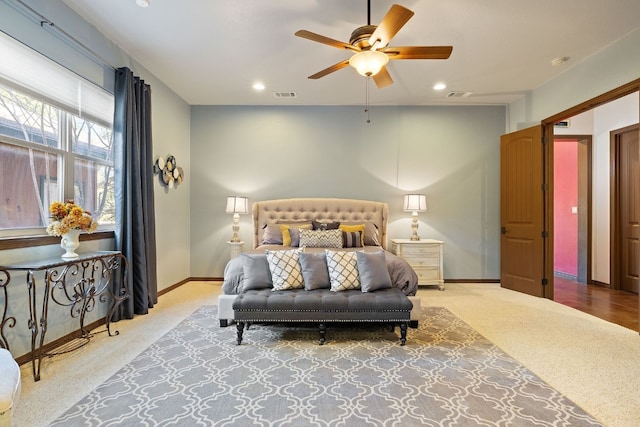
<point>210,52</point>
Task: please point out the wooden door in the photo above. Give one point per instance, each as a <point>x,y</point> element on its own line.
<point>626,256</point>
<point>522,243</point>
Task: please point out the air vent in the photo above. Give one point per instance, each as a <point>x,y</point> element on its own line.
<point>454,94</point>
<point>284,94</point>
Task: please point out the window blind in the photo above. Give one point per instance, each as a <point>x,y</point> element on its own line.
<point>27,70</point>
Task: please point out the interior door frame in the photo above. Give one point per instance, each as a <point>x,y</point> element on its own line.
<point>615,248</point>
<point>548,134</point>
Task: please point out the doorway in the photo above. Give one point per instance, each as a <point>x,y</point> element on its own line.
<point>600,228</point>
<point>572,207</point>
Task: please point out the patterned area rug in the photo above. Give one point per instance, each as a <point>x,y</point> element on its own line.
<point>446,375</point>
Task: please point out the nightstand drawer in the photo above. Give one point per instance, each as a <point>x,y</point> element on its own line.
<point>419,250</point>
<point>430,261</point>
<point>427,274</point>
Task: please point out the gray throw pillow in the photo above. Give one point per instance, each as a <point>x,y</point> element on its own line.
<point>255,269</point>
<point>272,235</point>
<point>372,267</point>
<point>314,270</point>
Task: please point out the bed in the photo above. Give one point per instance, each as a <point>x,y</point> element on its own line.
<point>297,214</point>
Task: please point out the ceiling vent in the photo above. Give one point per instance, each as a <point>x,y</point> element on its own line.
<point>284,94</point>
<point>458,94</point>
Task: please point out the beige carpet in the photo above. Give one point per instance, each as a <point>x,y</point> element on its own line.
<point>594,363</point>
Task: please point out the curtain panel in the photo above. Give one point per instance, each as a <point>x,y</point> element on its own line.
<point>135,220</point>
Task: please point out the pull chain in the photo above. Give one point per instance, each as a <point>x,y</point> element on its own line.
<point>366,105</point>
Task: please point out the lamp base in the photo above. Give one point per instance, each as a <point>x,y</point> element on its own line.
<point>414,226</point>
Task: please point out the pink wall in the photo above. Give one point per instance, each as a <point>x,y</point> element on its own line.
<point>565,197</point>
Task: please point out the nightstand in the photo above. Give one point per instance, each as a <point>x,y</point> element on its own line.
<point>425,256</point>
<point>235,248</point>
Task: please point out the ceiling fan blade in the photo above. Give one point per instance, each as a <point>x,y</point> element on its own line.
<point>329,70</point>
<point>325,40</point>
<point>418,52</point>
<point>395,19</point>
<point>382,78</point>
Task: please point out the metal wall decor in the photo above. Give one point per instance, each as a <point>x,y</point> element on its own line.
<point>170,173</point>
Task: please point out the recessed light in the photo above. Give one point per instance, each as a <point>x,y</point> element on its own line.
<point>258,86</point>
<point>143,3</point>
<point>439,86</point>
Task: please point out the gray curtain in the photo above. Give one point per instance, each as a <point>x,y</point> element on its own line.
<point>135,221</point>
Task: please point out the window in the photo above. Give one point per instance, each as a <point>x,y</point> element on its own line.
<point>52,147</point>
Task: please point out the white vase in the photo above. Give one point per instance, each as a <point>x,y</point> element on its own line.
<point>70,242</point>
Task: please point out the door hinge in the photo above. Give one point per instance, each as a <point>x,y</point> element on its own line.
<point>545,234</point>
<point>544,139</point>
<point>545,282</point>
<point>545,187</point>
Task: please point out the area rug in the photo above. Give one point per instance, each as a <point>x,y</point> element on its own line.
<point>446,375</point>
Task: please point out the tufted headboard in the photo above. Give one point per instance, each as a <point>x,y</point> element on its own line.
<point>269,211</point>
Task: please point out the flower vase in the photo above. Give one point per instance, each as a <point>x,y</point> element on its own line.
<point>70,242</point>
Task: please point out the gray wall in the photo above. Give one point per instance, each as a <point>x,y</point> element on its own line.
<point>451,154</point>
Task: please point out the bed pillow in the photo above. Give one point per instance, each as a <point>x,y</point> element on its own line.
<point>325,225</point>
<point>285,269</point>
<point>373,271</point>
<point>351,239</point>
<point>314,270</point>
<point>343,270</point>
<point>371,234</point>
<point>321,238</point>
<point>255,271</point>
<point>291,234</point>
<point>272,235</point>
<point>354,229</point>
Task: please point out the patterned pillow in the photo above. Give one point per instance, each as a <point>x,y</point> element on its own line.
<point>370,235</point>
<point>285,269</point>
<point>354,229</point>
<point>343,270</point>
<point>321,238</point>
<point>352,239</point>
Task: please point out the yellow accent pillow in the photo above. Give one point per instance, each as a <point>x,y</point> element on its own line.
<point>286,235</point>
<point>354,229</point>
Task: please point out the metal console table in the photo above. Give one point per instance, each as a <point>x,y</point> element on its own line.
<point>78,283</point>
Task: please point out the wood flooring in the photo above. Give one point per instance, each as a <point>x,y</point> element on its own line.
<point>618,307</point>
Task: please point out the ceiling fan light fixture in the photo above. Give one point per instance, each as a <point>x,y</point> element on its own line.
<point>368,62</point>
<point>142,3</point>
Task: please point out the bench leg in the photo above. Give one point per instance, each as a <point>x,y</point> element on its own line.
<point>413,324</point>
<point>323,332</point>
<point>403,333</point>
<point>224,323</point>
<point>240,329</point>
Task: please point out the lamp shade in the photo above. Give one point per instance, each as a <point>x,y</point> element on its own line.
<point>237,205</point>
<point>415,203</point>
<point>368,62</point>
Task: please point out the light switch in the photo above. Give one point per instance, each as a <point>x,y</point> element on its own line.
<point>574,209</point>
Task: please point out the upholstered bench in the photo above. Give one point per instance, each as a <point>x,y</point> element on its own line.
<point>322,306</point>
<point>9,387</point>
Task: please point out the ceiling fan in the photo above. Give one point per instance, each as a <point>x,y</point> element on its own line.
<point>371,46</point>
